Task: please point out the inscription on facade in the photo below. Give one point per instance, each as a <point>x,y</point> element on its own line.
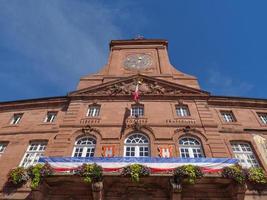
<point>138,120</point>
<point>180,121</point>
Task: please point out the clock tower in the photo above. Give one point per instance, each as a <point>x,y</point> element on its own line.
<point>138,56</point>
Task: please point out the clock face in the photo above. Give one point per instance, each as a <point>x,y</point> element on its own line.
<point>137,62</point>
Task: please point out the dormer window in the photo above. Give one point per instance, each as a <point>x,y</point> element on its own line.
<point>50,117</point>
<point>137,111</point>
<point>93,111</point>
<point>228,116</point>
<point>16,118</point>
<point>182,111</point>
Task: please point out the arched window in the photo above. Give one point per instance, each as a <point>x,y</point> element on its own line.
<point>244,153</point>
<point>190,148</point>
<point>84,147</point>
<point>136,145</point>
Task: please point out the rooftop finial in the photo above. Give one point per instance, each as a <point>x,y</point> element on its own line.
<point>139,37</point>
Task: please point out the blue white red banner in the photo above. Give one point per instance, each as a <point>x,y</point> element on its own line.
<point>115,164</point>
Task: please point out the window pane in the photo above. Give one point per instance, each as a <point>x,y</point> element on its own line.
<point>50,117</point>
<point>93,111</point>
<point>133,146</point>
<point>137,111</point>
<point>263,117</point>
<point>182,111</point>
<point>16,118</point>
<point>228,116</point>
<point>84,147</point>
<point>2,148</point>
<point>190,148</point>
<point>34,152</point>
<point>243,152</point>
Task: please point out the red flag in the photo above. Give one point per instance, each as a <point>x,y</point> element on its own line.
<point>136,94</point>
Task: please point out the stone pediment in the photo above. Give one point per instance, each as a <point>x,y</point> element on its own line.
<point>149,86</point>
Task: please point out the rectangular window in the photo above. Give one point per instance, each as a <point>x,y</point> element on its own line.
<point>137,111</point>
<point>16,118</point>
<point>263,117</point>
<point>34,152</point>
<point>93,111</point>
<point>2,148</point>
<point>50,117</point>
<point>228,116</point>
<point>244,153</point>
<point>182,111</point>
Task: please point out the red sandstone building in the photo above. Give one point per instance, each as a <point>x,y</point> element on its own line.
<point>175,119</point>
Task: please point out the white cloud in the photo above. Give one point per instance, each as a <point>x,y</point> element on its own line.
<point>60,39</point>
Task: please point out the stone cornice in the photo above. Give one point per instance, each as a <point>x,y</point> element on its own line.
<point>237,101</point>
<point>33,103</point>
<point>138,42</point>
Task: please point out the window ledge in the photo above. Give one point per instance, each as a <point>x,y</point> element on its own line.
<point>90,120</point>
<point>263,125</point>
<point>183,117</point>
<point>231,123</point>
<point>47,123</point>
<point>11,125</point>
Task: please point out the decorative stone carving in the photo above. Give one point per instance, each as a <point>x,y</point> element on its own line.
<point>147,87</point>
<point>88,129</point>
<point>186,130</point>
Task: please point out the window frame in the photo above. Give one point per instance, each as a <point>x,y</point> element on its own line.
<point>136,147</point>
<point>183,109</point>
<point>262,117</point>
<point>226,119</point>
<point>191,147</point>
<point>140,110</point>
<point>243,154</point>
<point>33,154</point>
<point>95,110</point>
<point>84,147</point>
<point>53,116</point>
<point>16,118</point>
<point>3,146</point>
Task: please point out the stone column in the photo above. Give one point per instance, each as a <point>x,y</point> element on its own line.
<point>176,191</point>
<point>38,193</point>
<point>238,192</point>
<point>97,190</point>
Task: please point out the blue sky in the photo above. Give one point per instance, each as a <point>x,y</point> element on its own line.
<point>47,45</point>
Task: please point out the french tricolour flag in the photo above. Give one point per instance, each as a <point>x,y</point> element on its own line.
<point>136,93</point>
<point>115,164</point>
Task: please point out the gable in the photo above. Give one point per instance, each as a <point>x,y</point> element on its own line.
<point>149,86</point>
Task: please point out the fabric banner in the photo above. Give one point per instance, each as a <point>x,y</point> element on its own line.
<point>115,164</point>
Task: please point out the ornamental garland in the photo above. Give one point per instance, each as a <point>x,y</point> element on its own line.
<point>256,176</point>
<point>38,172</point>
<point>19,175</point>
<point>187,173</point>
<point>135,171</point>
<point>235,172</point>
<point>90,172</point>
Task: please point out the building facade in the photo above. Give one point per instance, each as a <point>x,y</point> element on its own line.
<point>174,117</point>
